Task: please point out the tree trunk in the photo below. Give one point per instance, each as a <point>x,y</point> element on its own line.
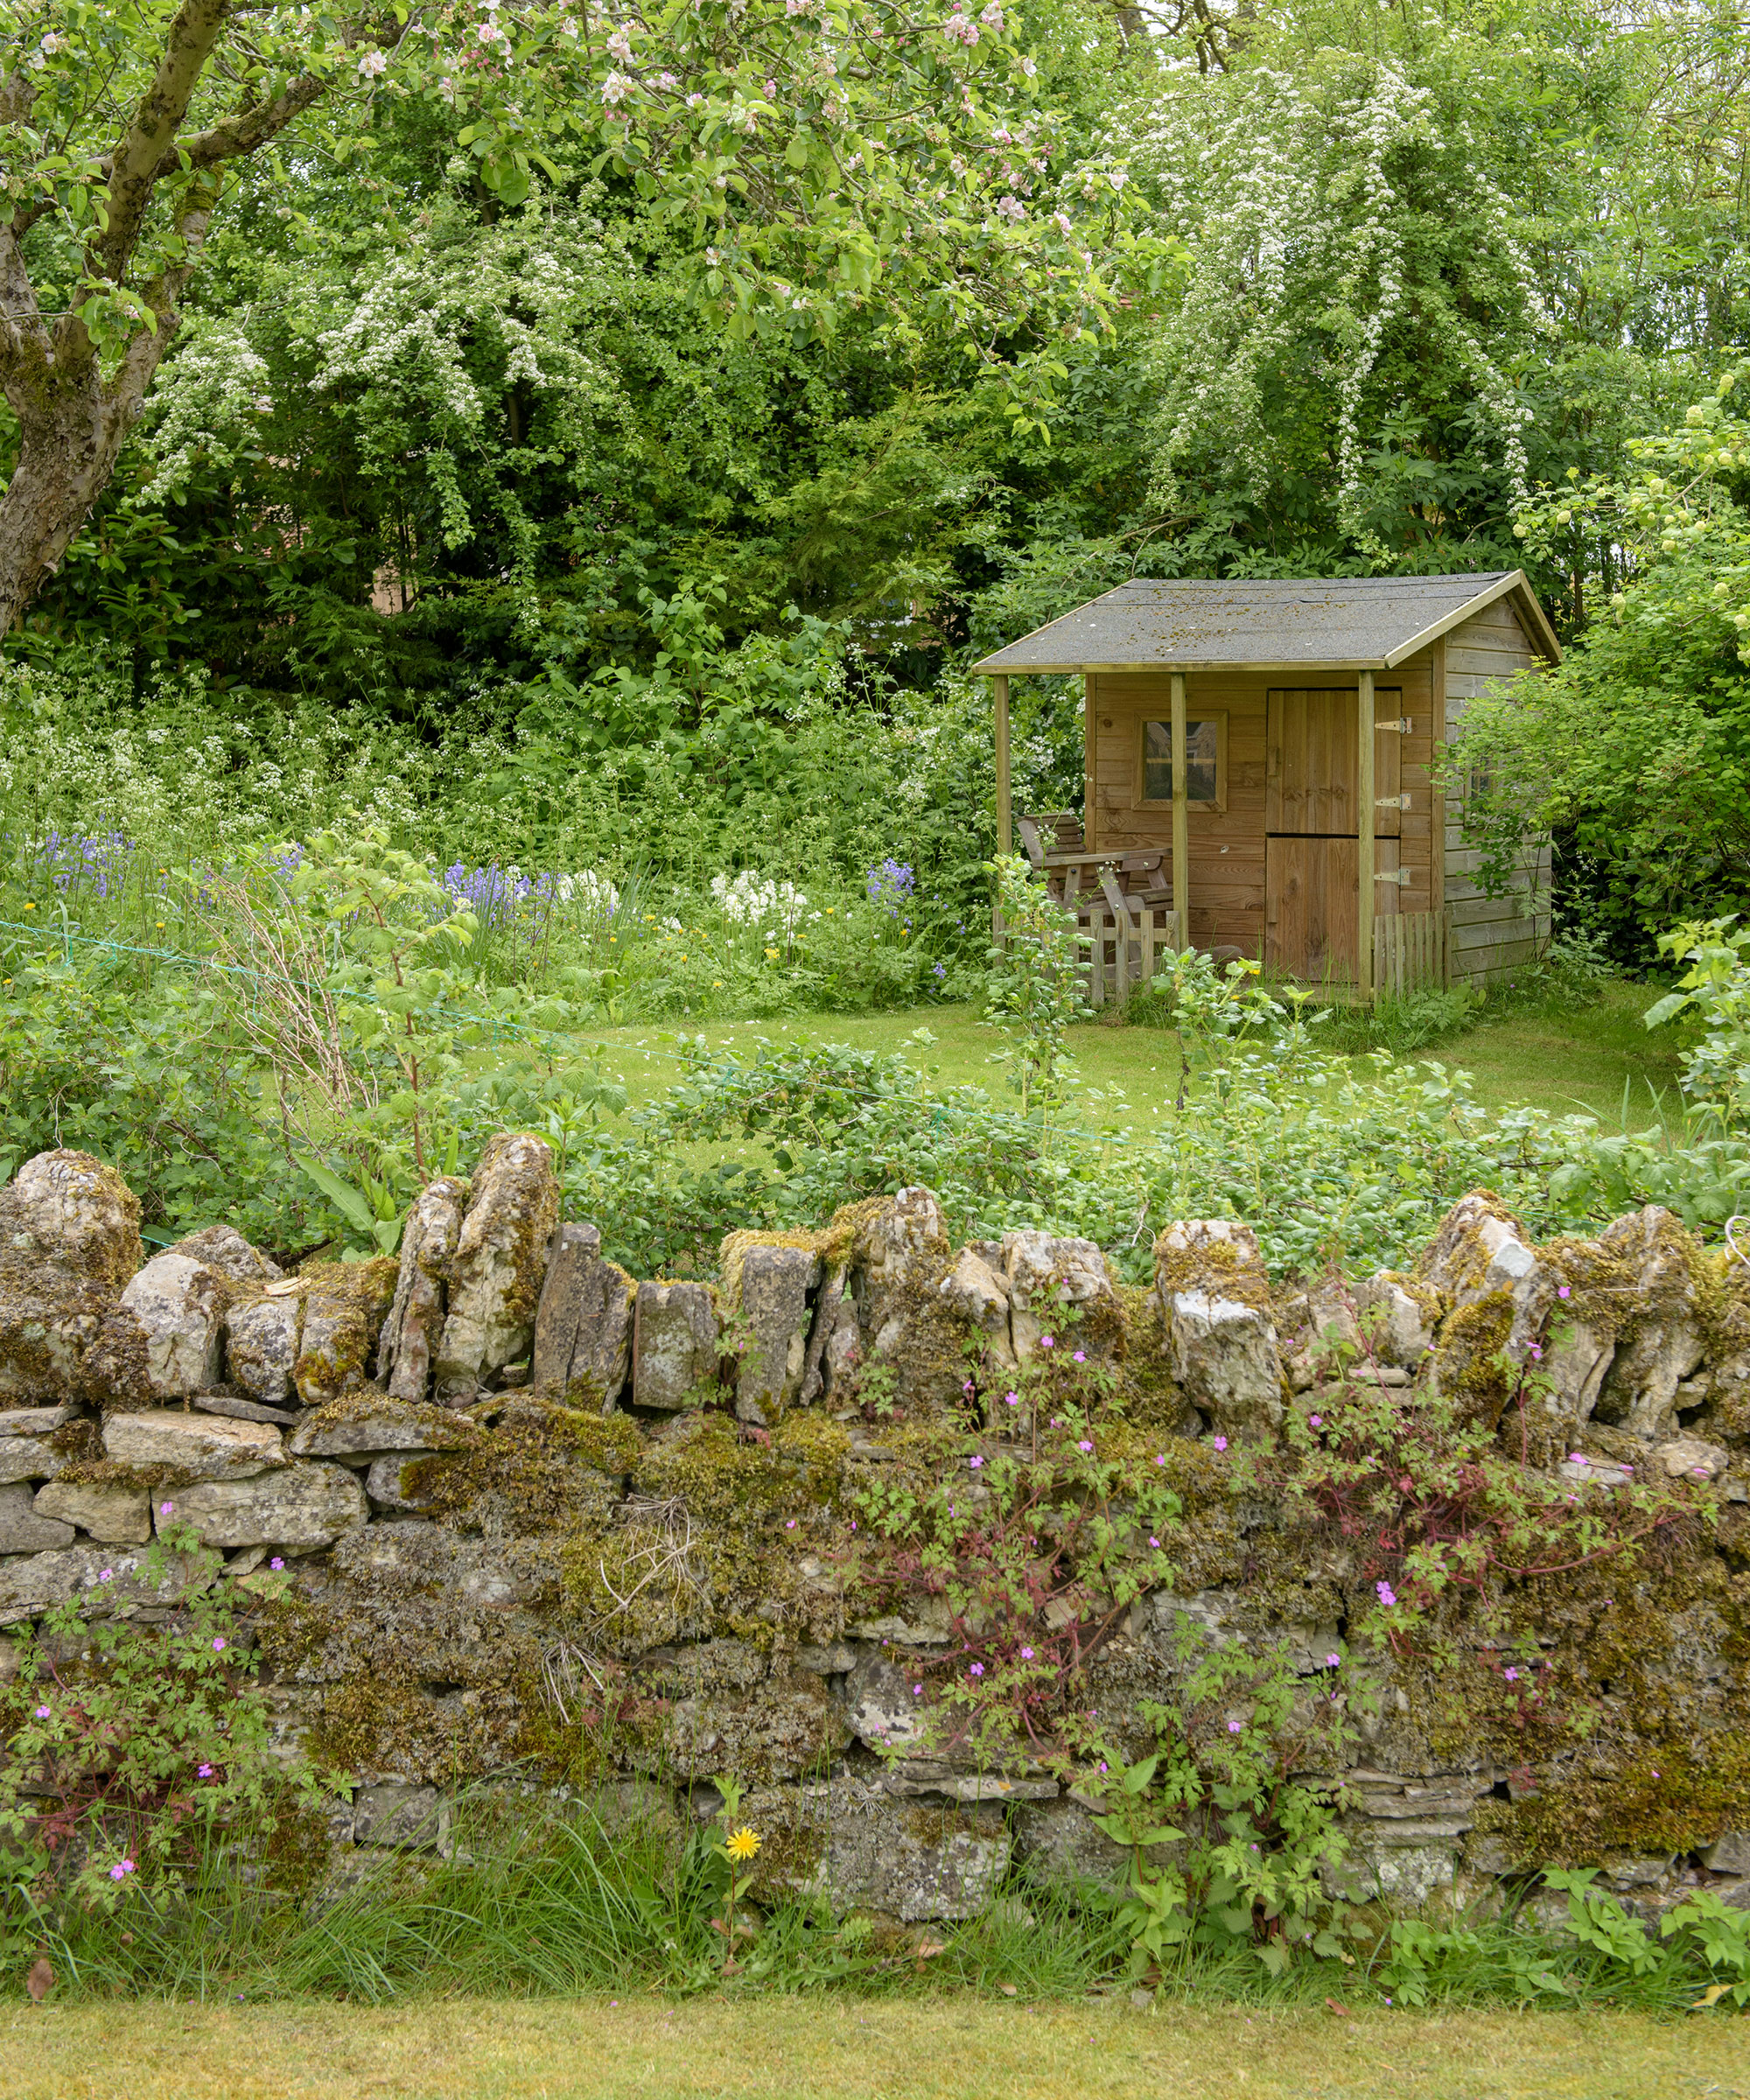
<point>70,436</point>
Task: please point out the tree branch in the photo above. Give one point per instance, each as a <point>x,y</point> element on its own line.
<point>150,140</point>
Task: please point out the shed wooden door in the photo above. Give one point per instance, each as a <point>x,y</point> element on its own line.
<point>1312,763</point>
<point>1311,857</point>
<point>1311,912</point>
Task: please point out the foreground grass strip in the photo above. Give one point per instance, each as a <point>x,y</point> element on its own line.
<point>810,2049</point>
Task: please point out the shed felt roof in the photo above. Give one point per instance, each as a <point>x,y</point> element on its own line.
<point>1271,623</point>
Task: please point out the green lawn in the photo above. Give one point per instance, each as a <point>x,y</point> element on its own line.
<point>799,2048</point>
<point>1564,1061</point>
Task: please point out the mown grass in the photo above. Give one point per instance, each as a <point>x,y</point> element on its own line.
<point>1592,1054</point>
<point>809,2049</point>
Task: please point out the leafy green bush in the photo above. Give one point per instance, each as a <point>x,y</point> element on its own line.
<point>1716,986</point>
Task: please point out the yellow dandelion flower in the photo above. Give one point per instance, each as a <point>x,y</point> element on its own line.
<point>30,907</point>
<point>743,1844</point>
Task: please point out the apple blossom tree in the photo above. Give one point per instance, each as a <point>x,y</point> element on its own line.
<point>815,157</point>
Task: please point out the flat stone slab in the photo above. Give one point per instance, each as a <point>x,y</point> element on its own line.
<point>355,1428</point>
<point>302,1505</point>
<point>117,1515</point>
<point>201,1447</point>
<point>102,1579</point>
<point>247,1410</point>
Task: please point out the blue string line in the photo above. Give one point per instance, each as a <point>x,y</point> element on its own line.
<point>255,976</point>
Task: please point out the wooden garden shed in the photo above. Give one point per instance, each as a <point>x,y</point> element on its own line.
<point>1237,732</point>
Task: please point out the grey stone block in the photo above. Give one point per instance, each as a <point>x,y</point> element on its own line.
<point>582,1329</point>
<point>29,1458</point>
<point>302,1505</point>
<point>773,1306</point>
<point>21,1529</point>
<point>675,1344</point>
<point>179,1303</point>
<point>261,1337</point>
<point>413,1330</point>
<point>118,1515</point>
<point>496,1272</point>
<point>409,1818</point>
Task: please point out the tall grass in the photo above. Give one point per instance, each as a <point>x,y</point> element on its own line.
<point>565,1906</point>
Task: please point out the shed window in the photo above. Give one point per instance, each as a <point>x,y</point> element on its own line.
<point>1206,761</point>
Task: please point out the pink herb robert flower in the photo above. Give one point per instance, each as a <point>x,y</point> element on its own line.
<point>1047,1341</point>
<point>1385,1592</point>
<point>219,1644</point>
<point>1219,1443</point>
<point>977,1671</point>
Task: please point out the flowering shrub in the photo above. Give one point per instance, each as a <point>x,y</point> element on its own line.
<point>757,900</point>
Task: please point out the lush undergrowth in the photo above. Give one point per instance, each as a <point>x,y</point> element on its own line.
<point>572,1907</point>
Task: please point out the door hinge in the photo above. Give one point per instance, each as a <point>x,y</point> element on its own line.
<point>1392,801</point>
<point>1400,876</point>
<point>1402,723</point>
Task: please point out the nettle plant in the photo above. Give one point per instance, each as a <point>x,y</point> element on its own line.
<point>1033,989</point>
<point>135,1741</point>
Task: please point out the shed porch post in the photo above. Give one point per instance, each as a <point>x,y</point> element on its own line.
<point>1005,815</point>
<point>1364,837</point>
<point>1181,818</point>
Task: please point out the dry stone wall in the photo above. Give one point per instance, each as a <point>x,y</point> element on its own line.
<point>548,1521</point>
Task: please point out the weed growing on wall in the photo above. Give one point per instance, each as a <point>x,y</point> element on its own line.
<point>137,1737</point>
